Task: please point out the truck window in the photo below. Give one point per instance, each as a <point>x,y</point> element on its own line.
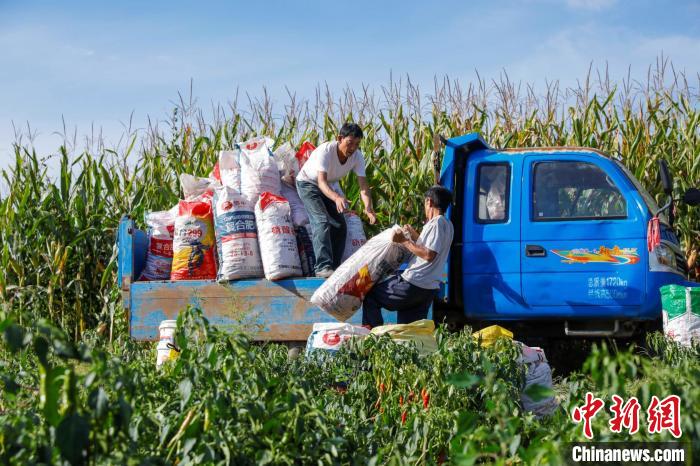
<point>568,190</point>
<point>493,180</point>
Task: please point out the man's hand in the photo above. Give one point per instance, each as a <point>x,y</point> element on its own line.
<point>371,216</point>
<point>341,204</point>
<point>398,237</point>
<point>414,234</point>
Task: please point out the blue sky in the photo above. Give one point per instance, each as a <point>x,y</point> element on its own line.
<point>93,65</point>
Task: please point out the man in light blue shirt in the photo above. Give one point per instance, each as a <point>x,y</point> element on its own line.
<point>412,292</point>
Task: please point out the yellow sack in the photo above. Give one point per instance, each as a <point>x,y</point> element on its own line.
<point>489,335</point>
<point>422,332</point>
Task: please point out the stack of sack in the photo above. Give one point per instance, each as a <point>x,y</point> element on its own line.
<point>245,220</point>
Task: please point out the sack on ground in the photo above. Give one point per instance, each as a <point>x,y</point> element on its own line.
<point>681,313</point>
<point>259,171</point>
<point>230,168</point>
<point>330,336</point>
<point>420,332</point>
<point>537,372</point>
<point>355,237</point>
<point>193,242</point>
<point>299,214</point>
<point>488,336</point>
<point>341,295</point>
<point>236,236</point>
<point>278,243</point>
<point>159,255</point>
<point>306,250</point>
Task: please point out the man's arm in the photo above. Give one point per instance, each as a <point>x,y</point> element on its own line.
<point>415,248</point>
<point>366,196</point>
<point>340,202</point>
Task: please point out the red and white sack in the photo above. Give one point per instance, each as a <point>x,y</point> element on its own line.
<point>342,294</point>
<point>299,214</point>
<point>194,186</point>
<point>537,372</point>
<point>330,336</point>
<point>159,255</point>
<point>355,234</point>
<point>259,171</point>
<point>230,169</point>
<point>194,243</point>
<point>236,236</point>
<point>304,153</point>
<point>306,250</point>
<point>278,243</point>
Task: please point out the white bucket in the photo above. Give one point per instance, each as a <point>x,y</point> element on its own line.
<point>167,337</point>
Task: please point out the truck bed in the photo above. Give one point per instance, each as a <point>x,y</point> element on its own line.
<point>275,311</point>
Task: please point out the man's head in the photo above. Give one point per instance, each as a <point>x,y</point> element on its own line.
<point>438,198</point>
<point>349,138</point>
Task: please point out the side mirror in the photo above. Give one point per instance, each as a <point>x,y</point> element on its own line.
<point>692,196</point>
<point>665,177</point>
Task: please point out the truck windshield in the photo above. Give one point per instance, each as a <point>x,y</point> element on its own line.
<point>648,199</point>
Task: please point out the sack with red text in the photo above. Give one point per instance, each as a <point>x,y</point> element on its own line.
<point>159,256</point>
<point>193,243</point>
<point>331,336</point>
<point>259,171</point>
<point>341,295</point>
<point>355,234</point>
<point>278,242</point>
<point>236,236</point>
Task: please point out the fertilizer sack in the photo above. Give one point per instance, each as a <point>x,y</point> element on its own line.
<point>420,333</point>
<point>537,372</point>
<point>278,243</point>
<point>230,169</point>
<point>331,336</point>
<point>304,153</point>
<point>193,243</point>
<point>159,256</point>
<point>681,313</point>
<point>299,215</point>
<point>306,250</point>
<point>341,295</point>
<point>194,187</point>
<point>259,171</point>
<point>236,236</point>
<point>355,237</point>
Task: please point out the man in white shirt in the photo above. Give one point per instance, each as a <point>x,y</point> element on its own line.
<point>412,292</point>
<point>328,163</point>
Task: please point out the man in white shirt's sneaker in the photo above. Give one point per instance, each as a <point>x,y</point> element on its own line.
<point>328,163</point>
<point>412,292</point>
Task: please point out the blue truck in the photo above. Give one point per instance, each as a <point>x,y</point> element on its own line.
<point>550,240</point>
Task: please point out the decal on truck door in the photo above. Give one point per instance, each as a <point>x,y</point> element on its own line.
<point>614,255</point>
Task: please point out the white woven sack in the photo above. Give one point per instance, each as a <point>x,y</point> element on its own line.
<point>259,171</point>
<point>278,243</point>
<point>341,295</point>
<point>236,236</point>
<point>355,237</point>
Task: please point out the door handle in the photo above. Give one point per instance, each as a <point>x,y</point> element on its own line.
<point>533,250</point>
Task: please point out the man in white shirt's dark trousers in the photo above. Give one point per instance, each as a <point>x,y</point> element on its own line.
<point>411,292</point>
<point>326,165</point>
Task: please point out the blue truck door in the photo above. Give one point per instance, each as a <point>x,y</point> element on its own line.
<point>583,237</point>
<point>492,236</point>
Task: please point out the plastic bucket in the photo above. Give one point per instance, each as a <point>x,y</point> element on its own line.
<point>166,343</point>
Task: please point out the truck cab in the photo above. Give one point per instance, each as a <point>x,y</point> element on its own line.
<point>552,240</point>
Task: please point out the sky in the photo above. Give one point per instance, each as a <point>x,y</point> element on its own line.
<point>91,66</point>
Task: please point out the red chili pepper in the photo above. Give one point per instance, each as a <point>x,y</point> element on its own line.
<point>403,417</point>
<point>426,398</point>
<point>382,387</point>
<point>400,400</point>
